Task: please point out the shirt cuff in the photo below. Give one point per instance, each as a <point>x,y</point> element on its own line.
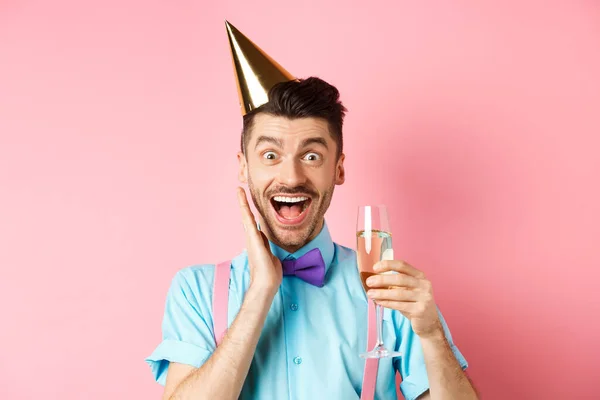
<point>417,382</point>
<point>175,351</point>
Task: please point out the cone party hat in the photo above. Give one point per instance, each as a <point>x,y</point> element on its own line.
<point>256,73</point>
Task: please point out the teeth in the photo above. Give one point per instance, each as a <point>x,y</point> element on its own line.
<point>283,199</point>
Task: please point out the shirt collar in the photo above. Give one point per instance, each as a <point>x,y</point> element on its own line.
<point>322,241</point>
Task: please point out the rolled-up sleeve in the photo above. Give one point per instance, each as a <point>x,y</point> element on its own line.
<point>412,364</point>
<point>187,323</point>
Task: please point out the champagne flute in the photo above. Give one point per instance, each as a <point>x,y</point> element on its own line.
<point>373,244</point>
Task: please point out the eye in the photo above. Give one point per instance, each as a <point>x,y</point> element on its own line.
<point>312,157</point>
<point>269,155</point>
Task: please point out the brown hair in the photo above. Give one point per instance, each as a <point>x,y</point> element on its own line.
<point>302,98</point>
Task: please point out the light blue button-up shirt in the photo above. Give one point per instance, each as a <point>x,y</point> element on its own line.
<point>310,344</point>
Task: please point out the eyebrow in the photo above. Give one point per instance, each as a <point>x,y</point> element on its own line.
<point>315,140</point>
<point>269,139</point>
<point>279,142</point>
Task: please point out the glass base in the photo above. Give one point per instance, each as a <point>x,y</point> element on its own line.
<point>381,352</point>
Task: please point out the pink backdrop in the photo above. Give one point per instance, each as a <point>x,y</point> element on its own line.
<point>477,124</point>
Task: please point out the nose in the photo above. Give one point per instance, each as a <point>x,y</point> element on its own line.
<point>291,173</point>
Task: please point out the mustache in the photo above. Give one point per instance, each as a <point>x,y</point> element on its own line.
<point>292,191</point>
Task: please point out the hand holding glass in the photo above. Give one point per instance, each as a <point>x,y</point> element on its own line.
<point>373,244</point>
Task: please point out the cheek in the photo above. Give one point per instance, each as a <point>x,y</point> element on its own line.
<point>324,179</point>
<point>261,177</point>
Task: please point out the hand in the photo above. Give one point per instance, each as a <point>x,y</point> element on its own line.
<point>409,292</point>
<point>266,272</point>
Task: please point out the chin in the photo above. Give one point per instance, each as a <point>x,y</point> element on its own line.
<point>288,236</point>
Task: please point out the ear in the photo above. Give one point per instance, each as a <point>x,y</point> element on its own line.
<point>340,173</point>
<point>243,168</point>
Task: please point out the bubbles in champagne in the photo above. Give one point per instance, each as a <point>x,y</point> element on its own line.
<point>372,247</point>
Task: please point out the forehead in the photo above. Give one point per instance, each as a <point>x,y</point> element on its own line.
<point>285,128</point>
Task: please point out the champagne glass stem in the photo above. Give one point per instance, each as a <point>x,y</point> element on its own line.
<point>379,325</point>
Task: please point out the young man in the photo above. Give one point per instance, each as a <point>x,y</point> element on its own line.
<point>298,337</point>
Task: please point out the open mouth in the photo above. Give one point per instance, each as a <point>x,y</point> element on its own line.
<point>290,209</point>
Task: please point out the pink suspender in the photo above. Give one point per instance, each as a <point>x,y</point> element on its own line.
<point>220,305</point>
<point>220,311</point>
<point>372,364</point>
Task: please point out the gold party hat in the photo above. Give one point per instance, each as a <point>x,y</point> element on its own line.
<point>255,71</point>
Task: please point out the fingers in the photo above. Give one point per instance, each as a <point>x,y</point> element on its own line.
<point>402,306</point>
<point>387,280</point>
<point>398,266</point>
<point>264,239</point>
<point>408,309</point>
<point>253,235</point>
<point>394,294</point>
<point>247,217</point>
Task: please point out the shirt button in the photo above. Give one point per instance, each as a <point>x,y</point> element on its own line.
<point>294,307</point>
<point>297,360</point>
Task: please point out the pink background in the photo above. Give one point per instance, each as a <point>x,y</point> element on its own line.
<point>115,117</point>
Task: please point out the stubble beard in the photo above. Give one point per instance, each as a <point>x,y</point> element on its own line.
<point>290,238</point>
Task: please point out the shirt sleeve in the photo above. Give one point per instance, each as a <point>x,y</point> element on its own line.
<point>187,323</point>
<point>411,364</point>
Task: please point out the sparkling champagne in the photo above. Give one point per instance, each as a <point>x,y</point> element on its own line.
<point>372,247</point>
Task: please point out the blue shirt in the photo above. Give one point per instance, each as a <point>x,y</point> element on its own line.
<point>312,337</point>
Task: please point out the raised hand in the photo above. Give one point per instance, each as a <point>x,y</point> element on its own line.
<point>266,272</point>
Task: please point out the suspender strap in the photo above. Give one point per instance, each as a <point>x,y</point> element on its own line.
<point>372,364</point>
<point>220,303</point>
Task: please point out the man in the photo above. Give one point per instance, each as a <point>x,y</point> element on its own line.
<point>288,337</point>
